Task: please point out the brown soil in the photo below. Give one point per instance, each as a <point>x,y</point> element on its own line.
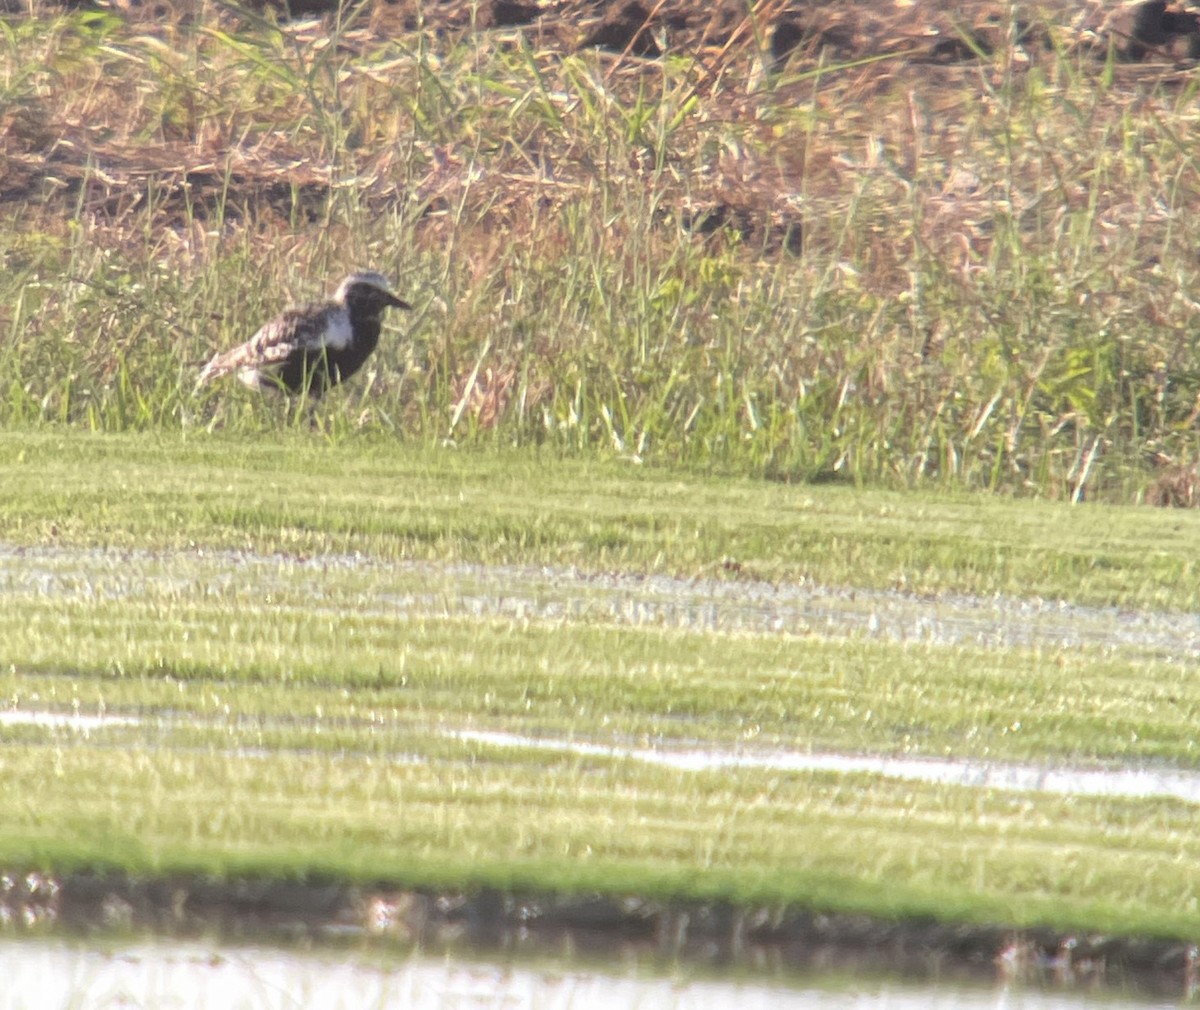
<point>926,48</point>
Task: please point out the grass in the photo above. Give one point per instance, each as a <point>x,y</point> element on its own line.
<point>296,705</point>
<point>170,652</point>
<point>419,671</point>
<point>477,819</point>
<point>299,494</point>
<point>972,305</point>
<point>918,296</point>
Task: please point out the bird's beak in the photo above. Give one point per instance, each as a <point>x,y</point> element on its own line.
<point>398,303</point>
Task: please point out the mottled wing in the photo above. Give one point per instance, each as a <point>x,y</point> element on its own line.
<point>294,332</point>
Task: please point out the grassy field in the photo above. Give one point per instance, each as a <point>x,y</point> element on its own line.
<point>990,289</point>
<point>296,709</point>
<point>303,494</point>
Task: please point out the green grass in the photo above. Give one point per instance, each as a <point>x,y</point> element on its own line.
<point>298,494</point>
<point>478,818</point>
<point>188,657</point>
<point>298,707</point>
<point>972,306</point>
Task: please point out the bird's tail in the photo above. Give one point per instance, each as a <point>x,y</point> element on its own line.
<point>218,365</point>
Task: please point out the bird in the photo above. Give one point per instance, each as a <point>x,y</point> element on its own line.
<point>309,348</point>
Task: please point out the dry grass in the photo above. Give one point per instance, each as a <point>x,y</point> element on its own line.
<point>896,256</point>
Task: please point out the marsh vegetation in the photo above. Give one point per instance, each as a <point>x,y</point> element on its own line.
<point>994,286</point>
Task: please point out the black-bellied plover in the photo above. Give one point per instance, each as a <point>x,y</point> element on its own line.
<point>314,346</point>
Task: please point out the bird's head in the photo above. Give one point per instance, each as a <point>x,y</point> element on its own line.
<point>368,291</point>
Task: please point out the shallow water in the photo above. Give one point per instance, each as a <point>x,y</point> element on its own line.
<point>526,593</point>
<point>1126,781</point>
<point>1065,780</point>
<point>48,975</point>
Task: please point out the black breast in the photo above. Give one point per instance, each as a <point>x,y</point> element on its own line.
<point>316,371</point>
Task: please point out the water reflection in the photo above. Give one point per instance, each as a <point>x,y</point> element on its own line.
<point>1124,781</point>
<point>45,974</point>
<point>1131,782</point>
<point>78,722</point>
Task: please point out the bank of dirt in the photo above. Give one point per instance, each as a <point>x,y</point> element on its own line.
<point>716,933</point>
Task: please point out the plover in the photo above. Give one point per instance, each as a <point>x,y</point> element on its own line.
<point>314,346</point>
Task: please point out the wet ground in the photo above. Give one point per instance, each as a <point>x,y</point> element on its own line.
<point>634,600</point>
<point>1063,779</point>
<point>420,589</point>
<point>753,948</point>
